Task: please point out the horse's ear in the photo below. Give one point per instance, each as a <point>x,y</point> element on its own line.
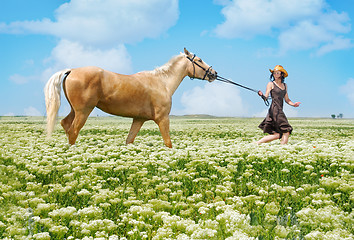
<point>186,51</point>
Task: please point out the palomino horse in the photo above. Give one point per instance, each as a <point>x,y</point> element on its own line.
<point>142,96</point>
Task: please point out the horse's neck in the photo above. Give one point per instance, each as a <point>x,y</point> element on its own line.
<point>176,76</point>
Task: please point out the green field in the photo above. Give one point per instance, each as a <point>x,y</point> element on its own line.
<point>215,183</point>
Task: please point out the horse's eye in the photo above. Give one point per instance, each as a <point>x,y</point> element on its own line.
<point>200,60</point>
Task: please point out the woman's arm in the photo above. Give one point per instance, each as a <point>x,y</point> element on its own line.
<point>288,101</point>
<point>268,89</point>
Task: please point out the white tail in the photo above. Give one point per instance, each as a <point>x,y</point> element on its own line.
<point>52,99</point>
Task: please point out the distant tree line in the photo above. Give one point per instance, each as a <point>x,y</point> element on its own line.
<point>338,116</point>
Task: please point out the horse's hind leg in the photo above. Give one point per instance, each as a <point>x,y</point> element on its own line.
<point>164,125</point>
<point>134,129</point>
<point>67,121</point>
<point>79,121</point>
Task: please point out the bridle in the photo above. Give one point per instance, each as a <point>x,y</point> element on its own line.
<point>207,71</point>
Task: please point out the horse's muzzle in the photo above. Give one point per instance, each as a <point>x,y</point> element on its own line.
<point>212,75</point>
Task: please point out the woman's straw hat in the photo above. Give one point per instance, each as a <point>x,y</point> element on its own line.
<point>279,68</point>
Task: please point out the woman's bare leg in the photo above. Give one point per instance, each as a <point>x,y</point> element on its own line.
<point>285,138</point>
<point>269,138</point>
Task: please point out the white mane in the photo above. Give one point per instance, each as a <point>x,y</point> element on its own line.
<point>168,67</point>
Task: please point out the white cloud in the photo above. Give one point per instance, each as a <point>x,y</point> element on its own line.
<point>348,90</point>
<point>338,43</point>
<point>244,18</point>
<point>32,111</point>
<point>215,99</point>
<point>304,35</point>
<point>72,54</point>
<point>93,32</point>
<point>320,34</point>
<point>299,25</point>
<point>103,23</point>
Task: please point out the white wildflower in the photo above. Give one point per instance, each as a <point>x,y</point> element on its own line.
<point>42,236</point>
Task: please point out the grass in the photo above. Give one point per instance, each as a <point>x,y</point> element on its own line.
<point>214,184</point>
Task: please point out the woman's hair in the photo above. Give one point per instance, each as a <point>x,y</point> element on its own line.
<point>271,78</point>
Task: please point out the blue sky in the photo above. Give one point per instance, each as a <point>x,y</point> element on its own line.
<point>241,39</point>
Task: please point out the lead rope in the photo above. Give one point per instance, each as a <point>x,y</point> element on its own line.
<point>222,79</point>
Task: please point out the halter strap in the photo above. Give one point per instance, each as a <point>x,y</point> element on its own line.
<point>207,71</point>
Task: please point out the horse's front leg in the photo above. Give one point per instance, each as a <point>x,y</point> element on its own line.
<point>164,125</point>
<point>134,129</point>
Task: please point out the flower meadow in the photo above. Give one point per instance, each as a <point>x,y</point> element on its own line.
<point>215,183</point>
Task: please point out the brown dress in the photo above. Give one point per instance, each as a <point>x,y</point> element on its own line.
<point>276,121</point>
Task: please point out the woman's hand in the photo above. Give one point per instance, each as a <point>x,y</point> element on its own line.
<point>260,93</point>
<point>296,104</point>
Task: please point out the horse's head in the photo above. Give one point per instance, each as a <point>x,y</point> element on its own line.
<point>199,69</point>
